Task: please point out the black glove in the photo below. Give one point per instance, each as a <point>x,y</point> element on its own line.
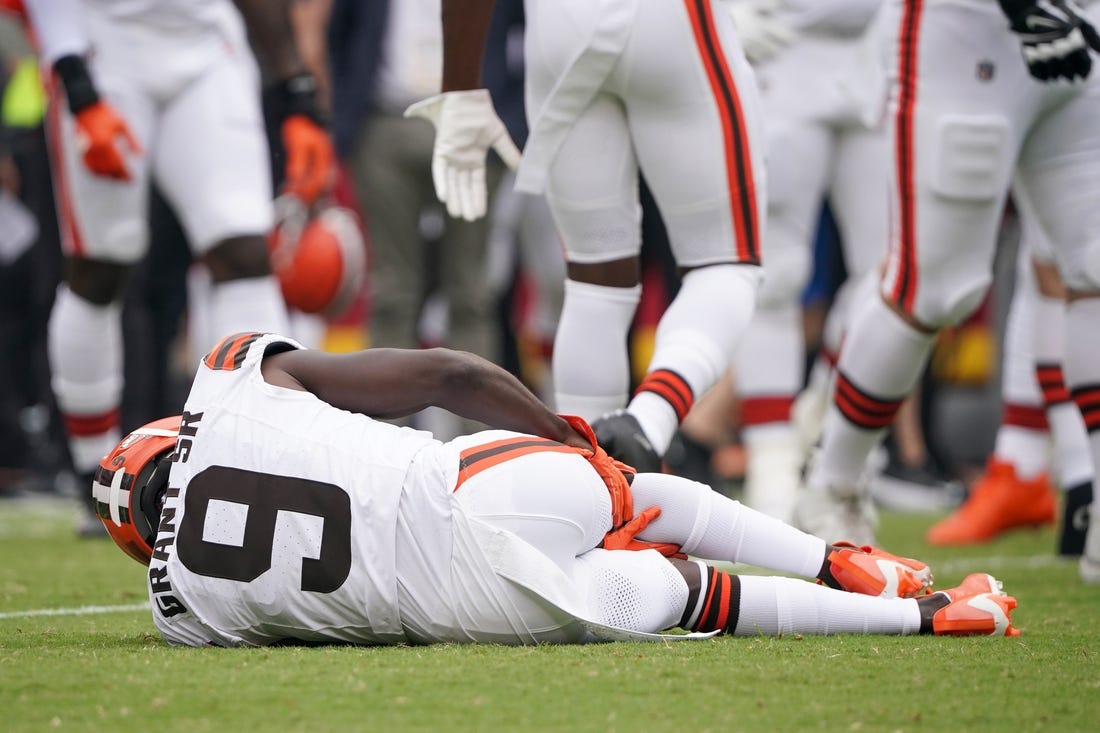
<point>1054,36</point>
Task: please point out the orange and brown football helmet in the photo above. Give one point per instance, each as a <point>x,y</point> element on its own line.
<point>318,254</point>
<point>130,483</point>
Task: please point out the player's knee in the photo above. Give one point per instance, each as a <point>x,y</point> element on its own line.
<point>97,281</point>
<point>238,258</point>
<point>637,591</point>
<point>973,157</point>
<point>1081,268</point>
<point>729,288</point>
<point>593,235</point>
<point>786,270</point>
<point>954,304</point>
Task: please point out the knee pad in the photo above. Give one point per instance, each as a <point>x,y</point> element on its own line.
<point>1081,267</point>
<point>786,270</point>
<point>598,234</point>
<point>973,159</point>
<point>637,591</point>
<point>956,300</point>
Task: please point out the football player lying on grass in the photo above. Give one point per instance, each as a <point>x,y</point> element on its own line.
<point>280,506</point>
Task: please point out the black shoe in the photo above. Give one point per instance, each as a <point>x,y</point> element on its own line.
<point>689,458</point>
<point>621,436</point>
<point>1075,520</point>
<point>88,523</point>
<point>904,488</point>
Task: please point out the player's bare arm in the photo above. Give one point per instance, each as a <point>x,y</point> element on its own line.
<point>309,151</point>
<point>272,36</point>
<point>466,123</point>
<point>390,383</point>
<point>465,25</point>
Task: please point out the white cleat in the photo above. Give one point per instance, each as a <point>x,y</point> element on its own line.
<point>808,416</point>
<point>834,518</point>
<point>773,475</point>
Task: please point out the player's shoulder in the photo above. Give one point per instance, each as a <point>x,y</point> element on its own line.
<point>239,350</point>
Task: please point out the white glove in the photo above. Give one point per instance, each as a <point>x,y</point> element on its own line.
<point>466,126</point>
<point>762,32</point>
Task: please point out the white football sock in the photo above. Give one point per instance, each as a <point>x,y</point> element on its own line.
<point>882,359</point>
<point>85,350</point>
<point>248,304</point>
<point>695,342</point>
<point>1083,366</point>
<point>591,362</point>
<point>1073,457</point>
<point>771,606</point>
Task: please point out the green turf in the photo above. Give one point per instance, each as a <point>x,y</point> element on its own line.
<point>110,671</point>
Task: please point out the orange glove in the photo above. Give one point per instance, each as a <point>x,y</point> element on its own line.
<point>624,538</point>
<point>309,158</point>
<point>98,129</point>
<point>614,473</point>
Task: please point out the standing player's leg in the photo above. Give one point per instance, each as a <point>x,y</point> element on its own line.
<point>939,263</point>
<point>104,232</point>
<point>1059,172</point>
<point>212,165</point>
<point>770,359</point>
<point>689,92</point>
<point>1071,455</point>
<point>1015,489</point>
<point>592,190</point>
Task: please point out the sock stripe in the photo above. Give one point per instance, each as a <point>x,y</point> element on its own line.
<point>764,410</point>
<point>1087,398</point>
<point>716,610</point>
<point>722,607</point>
<point>671,387</point>
<point>84,426</point>
<point>1053,384</point>
<point>1029,417</point>
<point>862,408</point>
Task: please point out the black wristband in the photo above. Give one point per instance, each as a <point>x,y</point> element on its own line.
<point>79,88</point>
<point>297,95</point>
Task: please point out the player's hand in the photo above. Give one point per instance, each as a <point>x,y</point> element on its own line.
<point>101,135</point>
<point>309,158</point>
<point>466,126</point>
<point>1054,36</point>
<point>625,537</point>
<point>614,473</point>
<point>762,32</point>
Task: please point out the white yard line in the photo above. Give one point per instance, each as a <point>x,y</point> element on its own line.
<point>78,611</point>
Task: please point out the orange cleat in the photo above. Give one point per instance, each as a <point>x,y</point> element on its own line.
<point>872,572</point>
<point>978,607</point>
<point>999,501</point>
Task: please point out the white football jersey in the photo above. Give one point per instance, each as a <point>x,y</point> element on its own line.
<point>315,558</point>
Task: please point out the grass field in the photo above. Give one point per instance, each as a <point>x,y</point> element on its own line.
<point>78,651</point>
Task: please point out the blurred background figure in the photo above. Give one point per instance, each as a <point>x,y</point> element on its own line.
<point>32,450</point>
<point>824,142</point>
<point>384,56</point>
<point>1041,443</point>
<point>171,94</point>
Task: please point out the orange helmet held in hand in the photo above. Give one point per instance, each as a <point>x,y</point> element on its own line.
<point>130,483</point>
<point>318,255</point>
